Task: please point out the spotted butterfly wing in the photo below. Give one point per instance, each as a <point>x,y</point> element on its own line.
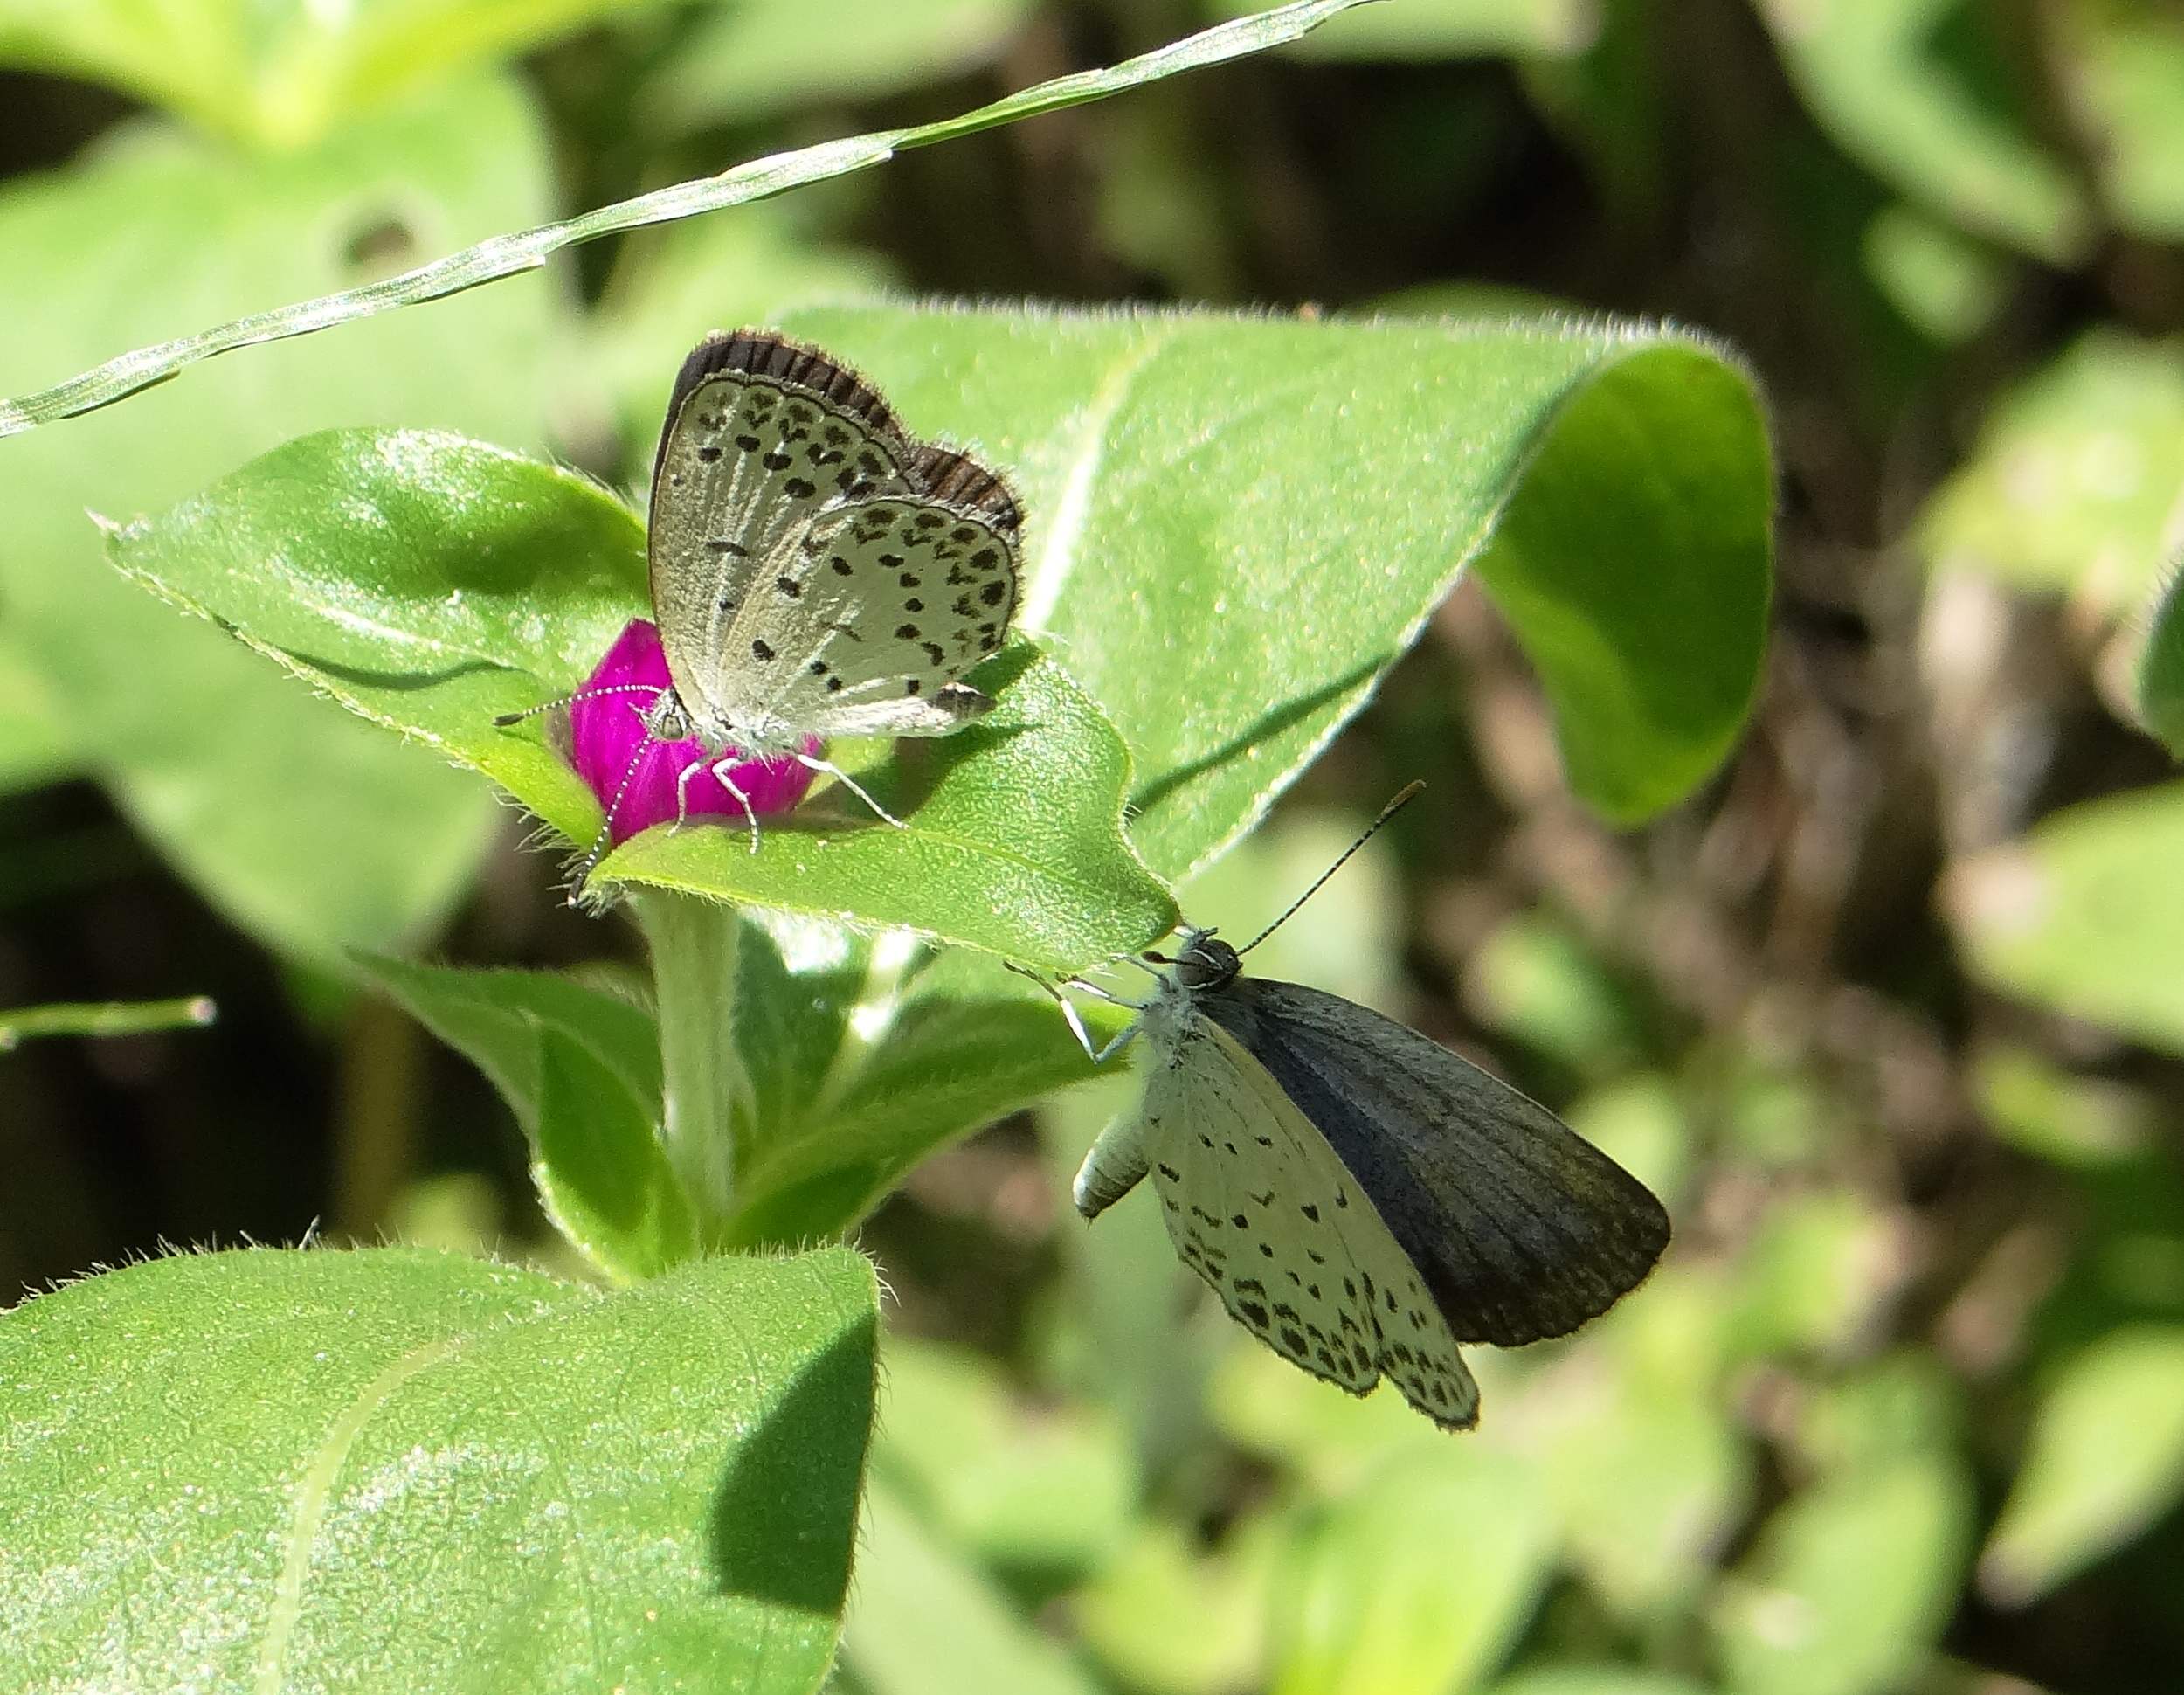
<point>1258,1205</point>
<point>1519,1227</point>
<point>909,594</point>
<point>761,434</point>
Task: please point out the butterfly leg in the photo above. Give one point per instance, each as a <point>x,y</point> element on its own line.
<point>849,783</point>
<point>721,769</point>
<point>605,840</point>
<point>1076,1020</point>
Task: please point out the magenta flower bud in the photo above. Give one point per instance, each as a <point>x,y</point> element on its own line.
<point>612,753</point>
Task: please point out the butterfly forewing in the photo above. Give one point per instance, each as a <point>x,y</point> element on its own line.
<point>1520,1227</point>
<point>761,434</point>
<point>1257,1204</point>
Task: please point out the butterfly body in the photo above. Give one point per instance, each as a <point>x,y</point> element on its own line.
<point>1359,1197</point>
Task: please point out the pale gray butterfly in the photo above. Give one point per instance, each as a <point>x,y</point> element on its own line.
<point>1360,1198</point>
<point>816,572</point>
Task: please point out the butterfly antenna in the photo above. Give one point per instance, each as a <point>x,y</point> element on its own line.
<point>501,721</point>
<point>604,839</point>
<point>1387,811</point>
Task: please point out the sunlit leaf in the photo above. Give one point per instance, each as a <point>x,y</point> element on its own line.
<point>2106,1460</point>
<point>313,832</point>
<point>399,1469</point>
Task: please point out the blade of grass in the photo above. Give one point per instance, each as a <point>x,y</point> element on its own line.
<point>111,1018</point>
<point>527,250</point>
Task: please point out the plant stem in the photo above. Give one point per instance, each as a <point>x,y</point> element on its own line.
<point>694,945</point>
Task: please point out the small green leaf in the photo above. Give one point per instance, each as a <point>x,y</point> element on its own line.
<point>742,64</point>
<point>925,1621</point>
<point>2106,1460</point>
<point>1383,1597</point>
<point>844,1061</point>
<point>1598,1680</point>
<point>2161,665</point>
<point>1236,524</point>
<point>1914,104</point>
<point>2121,65</point>
<point>213,1465</point>
<point>1042,1494</point>
<point>36,746</point>
<point>279,74</point>
<point>2085,914</point>
<point>600,1169</point>
<point>494,1017</point>
<point>1851,1586</point>
<point>2072,486</point>
<point>433,583</point>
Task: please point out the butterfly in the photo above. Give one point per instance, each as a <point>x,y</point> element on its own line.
<point>1360,1198</point>
<point>816,572</point>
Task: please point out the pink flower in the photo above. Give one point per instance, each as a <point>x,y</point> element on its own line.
<point>606,732</point>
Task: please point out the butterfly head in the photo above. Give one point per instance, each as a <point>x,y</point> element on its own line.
<point>1203,962</point>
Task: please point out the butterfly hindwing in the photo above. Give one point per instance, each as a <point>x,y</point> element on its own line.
<point>762,433</point>
<point>1521,1229</point>
<point>1258,1205</point>
<point>889,602</point>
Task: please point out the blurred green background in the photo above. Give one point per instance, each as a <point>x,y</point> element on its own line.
<point>1891,1014</point>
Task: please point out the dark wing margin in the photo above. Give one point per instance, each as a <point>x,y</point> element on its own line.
<point>778,359</point>
<point>1521,1228</point>
<point>957,479</point>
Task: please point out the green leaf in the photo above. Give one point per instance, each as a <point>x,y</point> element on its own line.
<point>925,1621</point>
<point>600,1169</point>
<point>1851,1585</point>
<point>1164,1616</point>
<point>2072,485</point>
<point>35,747</point>
<point>433,583</point>
<point>581,1069</point>
<point>215,1463</point>
<point>109,1018</point>
<point>1237,524</point>
<point>2161,680</point>
<point>1598,1680</point>
<point>2121,65</point>
<point>843,1061</point>
<point>494,1017</point>
<point>279,74</point>
<point>2085,914</point>
<point>745,63</point>
<point>1448,29</point>
<point>2106,1461</point>
<point>1911,89</point>
<point>1385,1596</point>
<point>312,831</point>
<point>510,254</point>
<point>1043,1495</point>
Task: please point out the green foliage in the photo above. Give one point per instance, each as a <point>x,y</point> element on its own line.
<point>2072,486</point>
<point>284,74</point>
<point>249,1458</point>
<point>2086,913</point>
<point>2106,1459</point>
<point>312,832</point>
<point>1909,89</point>
<point>1417,447</point>
<point>508,254</point>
